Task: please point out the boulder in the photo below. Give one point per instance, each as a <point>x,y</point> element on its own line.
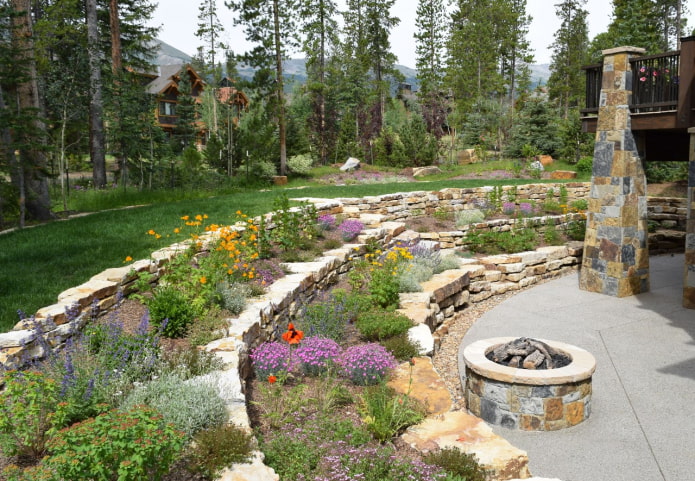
<point>545,160</point>
<point>563,174</point>
<point>280,180</point>
<point>423,171</point>
<point>422,336</point>
<point>467,156</point>
<point>350,164</point>
<point>536,165</point>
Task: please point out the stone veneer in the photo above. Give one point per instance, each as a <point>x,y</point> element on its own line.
<point>529,400</point>
<point>616,257</point>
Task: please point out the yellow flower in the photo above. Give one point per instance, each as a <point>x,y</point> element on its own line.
<point>151,232</point>
<point>185,217</point>
<point>205,216</point>
<point>238,212</point>
<point>177,230</point>
<point>199,217</point>
<point>157,236</point>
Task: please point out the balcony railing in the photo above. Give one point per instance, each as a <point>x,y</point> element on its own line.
<point>655,82</point>
<point>594,78</point>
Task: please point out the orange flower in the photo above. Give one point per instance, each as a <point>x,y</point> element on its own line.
<point>151,232</point>
<point>157,236</point>
<point>272,379</point>
<point>128,259</point>
<point>185,217</point>
<point>177,230</point>
<point>199,217</point>
<point>292,336</point>
<point>203,280</point>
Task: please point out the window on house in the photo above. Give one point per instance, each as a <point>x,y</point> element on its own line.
<point>167,108</point>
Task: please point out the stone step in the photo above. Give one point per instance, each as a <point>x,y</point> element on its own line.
<point>471,435</point>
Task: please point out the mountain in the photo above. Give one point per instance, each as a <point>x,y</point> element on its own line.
<point>295,68</point>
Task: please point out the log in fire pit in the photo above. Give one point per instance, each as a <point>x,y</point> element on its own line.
<point>528,384</point>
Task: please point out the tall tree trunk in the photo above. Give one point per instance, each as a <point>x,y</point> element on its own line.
<point>280,92</point>
<point>116,71</point>
<point>96,102</point>
<point>30,174</point>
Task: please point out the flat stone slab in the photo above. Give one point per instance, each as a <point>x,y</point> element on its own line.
<point>471,435</point>
<point>422,382</point>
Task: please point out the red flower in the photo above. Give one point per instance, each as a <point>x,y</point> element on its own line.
<point>272,379</point>
<point>292,336</point>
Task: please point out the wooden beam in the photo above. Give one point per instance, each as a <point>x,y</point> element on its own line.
<point>654,121</point>
<point>686,75</point>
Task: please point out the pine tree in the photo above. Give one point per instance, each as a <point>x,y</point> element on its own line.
<point>566,82</point>
<point>430,44</point>
<point>209,31</point>
<point>186,111</point>
<point>271,26</point>
<point>321,40</point>
<point>515,50</point>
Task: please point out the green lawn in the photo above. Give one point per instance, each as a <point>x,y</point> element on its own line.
<point>40,262</point>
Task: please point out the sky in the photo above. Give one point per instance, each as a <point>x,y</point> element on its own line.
<point>179,19</point>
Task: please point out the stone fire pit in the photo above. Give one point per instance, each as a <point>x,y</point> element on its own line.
<point>530,400</point>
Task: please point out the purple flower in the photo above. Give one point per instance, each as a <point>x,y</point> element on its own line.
<point>316,354</point>
<point>350,228</point>
<point>526,209</point>
<point>270,358</point>
<point>366,364</point>
<point>326,222</point>
<point>508,208</point>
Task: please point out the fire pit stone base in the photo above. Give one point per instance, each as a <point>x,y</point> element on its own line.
<point>529,400</point>
<point>529,408</point>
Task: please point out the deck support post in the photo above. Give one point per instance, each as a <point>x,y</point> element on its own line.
<point>689,270</point>
<point>616,256</point>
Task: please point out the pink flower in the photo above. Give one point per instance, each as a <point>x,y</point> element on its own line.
<point>642,79</point>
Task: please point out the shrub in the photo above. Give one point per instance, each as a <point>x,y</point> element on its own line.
<point>387,413</point>
<point>448,262</point>
<point>300,164</point>
<point>576,229</point>
<point>219,447</point>
<point>401,347</point>
<point>409,279</point>
<point>270,359</point>
<point>327,317</point>
<point>188,362</point>
<point>188,405</point>
<point>579,205</point>
<point>383,287</point>
<point>585,165</point>
<point>233,295</point>
<point>366,364</point>
<point>30,413</point>
<point>129,446</point>
<point>172,305</point>
<point>377,324</point>
<point>350,228</point>
<point>492,242</point>
<point>457,463</point>
<point>316,355</point>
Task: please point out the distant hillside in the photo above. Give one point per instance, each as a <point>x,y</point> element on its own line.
<point>295,69</point>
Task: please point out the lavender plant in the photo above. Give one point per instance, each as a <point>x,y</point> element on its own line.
<point>366,364</point>
<point>327,317</point>
<point>317,354</point>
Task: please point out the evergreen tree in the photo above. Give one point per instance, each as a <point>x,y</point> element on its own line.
<point>209,31</point>
<point>271,26</point>
<point>567,80</point>
<point>320,43</point>
<point>185,130</point>
<point>536,127</point>
<point>473,53</point>
<point>515,50</point>
<point>430,42</point>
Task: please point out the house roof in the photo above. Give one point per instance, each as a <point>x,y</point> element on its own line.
<point>167,78</point>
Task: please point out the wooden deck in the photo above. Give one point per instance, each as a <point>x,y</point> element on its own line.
<point>662,105</point>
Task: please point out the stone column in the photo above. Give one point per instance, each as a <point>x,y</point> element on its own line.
<point>689,271</point>
<point>616,259</point>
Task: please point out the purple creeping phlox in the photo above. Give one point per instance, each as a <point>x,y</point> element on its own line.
<point>508,208</point>
<point>366,364</point>
<point>526,209</point>
<point>317,354</point>
<point>326,222</point>
<point>271,359</point>
<point>350,228</point>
